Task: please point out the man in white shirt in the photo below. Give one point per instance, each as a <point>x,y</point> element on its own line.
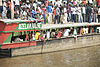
<point>75,14</point>
<point>33,37</point>
<point>80,18</point>
<point>86,30</point>
<point>65,15</point>
<point>66,33</point>
<point>84,13</point>
<point>98,28</point>
<point>48,34</point>
<point>99,15</point>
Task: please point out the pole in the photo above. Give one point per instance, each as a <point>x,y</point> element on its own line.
<point>12,9</point>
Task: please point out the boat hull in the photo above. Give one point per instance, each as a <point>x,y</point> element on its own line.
<point>54,45</point>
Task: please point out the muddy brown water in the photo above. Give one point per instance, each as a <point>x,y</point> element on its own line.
<point>82,57</point>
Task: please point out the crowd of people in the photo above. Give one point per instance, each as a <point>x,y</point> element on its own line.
<point>50,34</point>
<point>53,12</point>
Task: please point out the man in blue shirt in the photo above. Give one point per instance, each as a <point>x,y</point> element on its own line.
<point>49,7</point>
<point>33,13</point>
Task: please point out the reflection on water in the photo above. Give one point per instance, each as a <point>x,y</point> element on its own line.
<point>84,57</point>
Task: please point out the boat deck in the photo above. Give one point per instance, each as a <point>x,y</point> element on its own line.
<point>53,26</point>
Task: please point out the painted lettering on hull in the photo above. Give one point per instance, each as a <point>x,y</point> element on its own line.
<point>26,26</point>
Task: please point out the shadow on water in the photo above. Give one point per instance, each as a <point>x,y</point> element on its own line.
<point>83,57</point>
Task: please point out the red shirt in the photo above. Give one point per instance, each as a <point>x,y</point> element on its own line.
<point>59,34</point>
<point>54,11</point>
<point>42,36</point>
<point>73,2</point>
<point>43,10</point>
<point>20,2</point>
<point>98,2</point>
<point>84,2</point>
<point>6,4</point>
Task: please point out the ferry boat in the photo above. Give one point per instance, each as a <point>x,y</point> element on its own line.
<point>25,37</point>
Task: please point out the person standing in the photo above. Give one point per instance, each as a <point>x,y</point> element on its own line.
<point>53,11</point>
<point>65,14</point>
<point>69,12</point>
<point>75,14</point>
<point>94,14</point>
<point>80,18</point>
<point>99,15</point>
<point>89,11</point>
<point>4,12</point>
<point>84,13</point>
<point>72,15</point>
<point>48,34</point>
<point>49,7</point>
<point>9,11</point>
<point>17,4</point>
<point>43,14</point>
<point>57,15</point>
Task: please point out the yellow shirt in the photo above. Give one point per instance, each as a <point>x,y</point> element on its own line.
<point>82,31</point>
<point>37,35</point>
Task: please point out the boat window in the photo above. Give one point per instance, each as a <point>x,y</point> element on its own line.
<point>18,37</point>
<point>25,36</point>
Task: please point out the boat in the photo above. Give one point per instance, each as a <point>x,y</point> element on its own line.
<point>26,37</point>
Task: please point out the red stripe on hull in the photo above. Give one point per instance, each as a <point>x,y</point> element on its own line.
<point>16,45</point>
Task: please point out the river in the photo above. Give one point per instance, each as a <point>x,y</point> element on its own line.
<point>82,57</point>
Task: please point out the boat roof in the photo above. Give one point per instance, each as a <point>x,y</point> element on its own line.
<point>54,26</point>
<point>17,20</point>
